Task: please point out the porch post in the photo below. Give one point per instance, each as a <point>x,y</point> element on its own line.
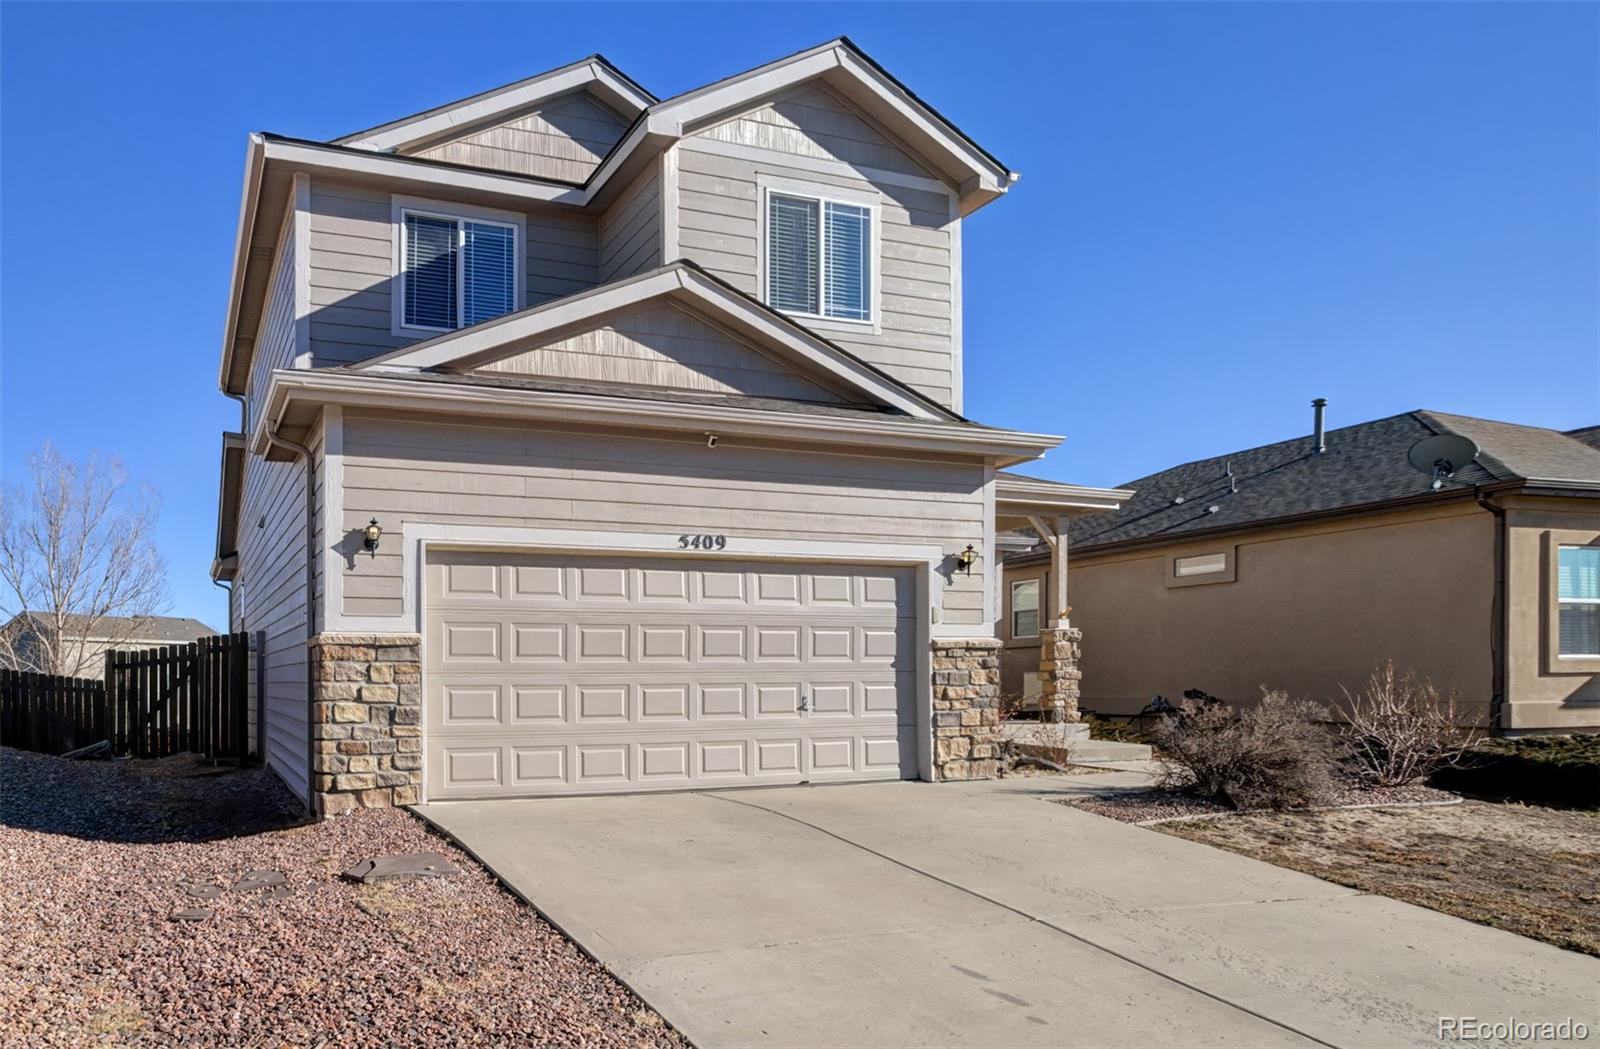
<point>1058,569</point>
<point>1059,643</point>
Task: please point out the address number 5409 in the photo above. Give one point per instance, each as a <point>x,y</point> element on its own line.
<point>702,542</point>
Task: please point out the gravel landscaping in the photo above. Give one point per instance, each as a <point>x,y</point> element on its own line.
<point>97,857</point>
<point>1524,869</point>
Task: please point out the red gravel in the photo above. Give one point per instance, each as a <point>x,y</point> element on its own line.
<point>94,860</point>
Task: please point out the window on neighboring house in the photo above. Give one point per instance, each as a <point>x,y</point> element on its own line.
<point>1199,564</point>
<point>455,272</point>
<point>819,257</point>
<point>1578,600</point>
<point>1025,608</point>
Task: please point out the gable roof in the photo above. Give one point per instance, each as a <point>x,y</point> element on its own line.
<point>167,630</point>
<point>272,160</point>
<point>593,74</point>
<point>1363,468</point>
<point>683,282</point>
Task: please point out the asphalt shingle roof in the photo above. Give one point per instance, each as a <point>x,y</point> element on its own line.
<point>1364,464</point>
<point>170,630</point>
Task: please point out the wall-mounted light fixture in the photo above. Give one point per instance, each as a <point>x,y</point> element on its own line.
<point>966,558</point>
<point>370,536</point>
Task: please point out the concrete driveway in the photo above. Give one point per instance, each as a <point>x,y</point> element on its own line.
<point>903,914</point>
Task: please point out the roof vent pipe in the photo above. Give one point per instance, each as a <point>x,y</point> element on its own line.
<point>1319,434</point>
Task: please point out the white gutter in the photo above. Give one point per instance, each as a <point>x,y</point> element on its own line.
<point>289,386</point>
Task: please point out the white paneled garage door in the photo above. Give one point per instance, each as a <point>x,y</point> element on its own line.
<point>550,673</point>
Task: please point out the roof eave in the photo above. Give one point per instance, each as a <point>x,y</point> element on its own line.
<point>254,167</point>
<point>311,390</point>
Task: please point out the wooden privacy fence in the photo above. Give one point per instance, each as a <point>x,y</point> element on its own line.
<point>192,697</point>
<point>153,703</point>
<point>50,714</point>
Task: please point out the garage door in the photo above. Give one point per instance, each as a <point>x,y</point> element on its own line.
<point>559,674</point>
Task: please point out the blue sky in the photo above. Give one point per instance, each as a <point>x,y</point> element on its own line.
<point>1225,209</point>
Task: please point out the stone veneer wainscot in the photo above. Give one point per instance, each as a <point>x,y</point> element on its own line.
<point>367,722</point>
<point>966,708</point>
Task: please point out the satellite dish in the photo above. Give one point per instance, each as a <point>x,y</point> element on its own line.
<point>1441,456</point>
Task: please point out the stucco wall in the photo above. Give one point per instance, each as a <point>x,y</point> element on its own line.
<point>1309,609</point>
<point>1545,691</point>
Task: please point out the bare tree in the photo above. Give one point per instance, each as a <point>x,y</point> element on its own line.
<point>79,571</point>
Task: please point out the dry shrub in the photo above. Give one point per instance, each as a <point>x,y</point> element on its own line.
<point>1400,729</point>
<point>1273,755</point>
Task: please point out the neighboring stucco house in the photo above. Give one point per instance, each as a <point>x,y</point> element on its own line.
<point>30,640</point>
<point>1301,569</point>
<point>657,407</point>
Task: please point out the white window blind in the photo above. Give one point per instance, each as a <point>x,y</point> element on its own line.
<point>847,262</point>
<point>792,254</point>
<point>489,274</point>
<point>1578,599</point>
<point>1025,608</point>
<point>819,257</point>
<point>457,273</point>
<point>430,272</point>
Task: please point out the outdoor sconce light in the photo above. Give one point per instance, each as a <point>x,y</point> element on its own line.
<point>370,536</point>
<point>966,558</point>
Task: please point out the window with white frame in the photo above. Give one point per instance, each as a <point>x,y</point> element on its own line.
<point>819,257</point>
<point>455,271</point>
<point>1199,564</point>
<point>1578,600</point>
<point>1025,608</point>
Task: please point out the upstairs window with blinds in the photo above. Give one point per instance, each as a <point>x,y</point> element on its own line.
<point>1578,600</point>
<point>819,257</point>
<point>455,272</point>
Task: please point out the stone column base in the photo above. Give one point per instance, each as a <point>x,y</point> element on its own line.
<point>966,710</point>
<point>366,726</point>
<point>1060,649</point>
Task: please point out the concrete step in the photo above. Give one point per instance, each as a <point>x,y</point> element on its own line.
<point>1079,746</point>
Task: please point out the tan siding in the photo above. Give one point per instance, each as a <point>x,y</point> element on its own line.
<point>719,226</point>
<point>352,246</point>
<point>661,345</point>
<point>563,138</point>
<point>630,230</point>
<point>402,470</point>
<point>812,121</point>
<point>275,342</point>
<point>272,600</point>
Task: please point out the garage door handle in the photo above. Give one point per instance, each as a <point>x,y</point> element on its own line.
<point>805,704</point>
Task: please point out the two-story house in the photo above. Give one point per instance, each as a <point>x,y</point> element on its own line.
<point>593,441</point>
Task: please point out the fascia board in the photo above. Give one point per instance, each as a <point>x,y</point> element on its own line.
<point>587,75</point>
<point>255,154</point>
<point>343,160</point>
<point>289,386</point>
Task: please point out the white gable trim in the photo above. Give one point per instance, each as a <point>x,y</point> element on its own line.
<point>978,175</point>
<point>472,347</point>
<point>590,74</point>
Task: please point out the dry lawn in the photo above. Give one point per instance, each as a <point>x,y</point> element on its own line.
<point>1524,869</point>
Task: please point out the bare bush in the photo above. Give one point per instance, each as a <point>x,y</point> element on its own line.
<point>1276,754</point>
<point>1399,729</point>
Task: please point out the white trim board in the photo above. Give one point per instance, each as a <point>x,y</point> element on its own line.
<point>417,536</point>
<point>483,343</point>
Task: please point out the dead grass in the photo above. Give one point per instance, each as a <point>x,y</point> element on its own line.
<point>1527,870</point>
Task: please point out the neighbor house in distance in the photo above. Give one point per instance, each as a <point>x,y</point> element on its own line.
<point>1302,564</point>
<point>76,645</point>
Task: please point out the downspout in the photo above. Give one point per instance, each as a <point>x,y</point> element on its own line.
<point>244,418</point>
<point>1498,618</point>
<point>302,452</point>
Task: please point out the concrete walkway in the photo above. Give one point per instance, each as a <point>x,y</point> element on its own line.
<point>984,915</point>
